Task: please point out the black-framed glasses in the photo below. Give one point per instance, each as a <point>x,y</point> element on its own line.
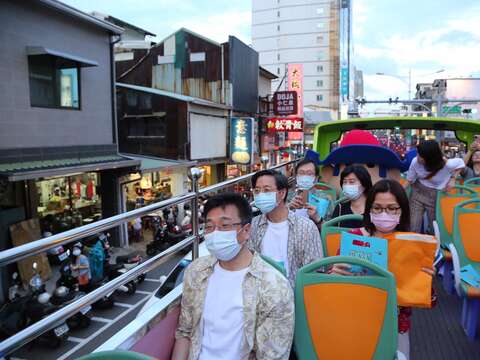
<point>390,210</point>
<point>209,228</point>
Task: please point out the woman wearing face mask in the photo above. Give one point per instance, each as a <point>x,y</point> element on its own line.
<point>356,182</point>
<point>429,172</point>
<point>80,267</point>
<point>386,211</point>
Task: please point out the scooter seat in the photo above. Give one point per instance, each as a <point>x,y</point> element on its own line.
<point>121,259</point>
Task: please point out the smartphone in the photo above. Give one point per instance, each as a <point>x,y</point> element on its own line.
<point>476,139</point>
<point>303,194</point>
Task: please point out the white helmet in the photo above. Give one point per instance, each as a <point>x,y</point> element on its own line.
<point>43,298</point>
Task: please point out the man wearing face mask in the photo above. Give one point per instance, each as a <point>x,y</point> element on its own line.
<point>292,241</point>
<point>234,304</point>
<point>307,175</point>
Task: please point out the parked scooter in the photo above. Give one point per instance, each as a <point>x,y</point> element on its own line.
<point>57,254</point>
<point>38,307</point>
<point>165,236</point>
<point>62,296</point>
<point>12,313</point>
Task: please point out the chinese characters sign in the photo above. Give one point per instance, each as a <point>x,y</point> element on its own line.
<point>284,124</point>
<point>295,83</point>
<point>241,140</point>
<point>285,103</point>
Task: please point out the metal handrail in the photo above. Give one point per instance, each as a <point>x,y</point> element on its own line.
<point>20,252</point>
<point>33,331</point>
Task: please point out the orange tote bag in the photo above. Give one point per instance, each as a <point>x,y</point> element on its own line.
<point>408,253</point>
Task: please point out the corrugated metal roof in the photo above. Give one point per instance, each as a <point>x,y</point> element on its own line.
<point>43,168</point>
<point>180,97</point>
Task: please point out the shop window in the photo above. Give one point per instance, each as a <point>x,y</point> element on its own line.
<point>54,82</point>
<point>147,189</point>
<point>68,202</point>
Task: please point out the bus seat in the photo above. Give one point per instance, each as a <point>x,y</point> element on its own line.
<point>115,355</point>
<point>345,317</point>
<point>158,342</point>
<point>465,250</point>
<point>275,264</point>
<point>473,183</point>
<point>331,233</point>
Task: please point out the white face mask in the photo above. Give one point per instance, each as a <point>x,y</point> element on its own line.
<point>223,244</point>
<point>266,202</point>
<point>352,192</point>
<point>305,182</point>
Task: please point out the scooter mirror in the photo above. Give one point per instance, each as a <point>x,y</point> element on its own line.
<point>35,266</point>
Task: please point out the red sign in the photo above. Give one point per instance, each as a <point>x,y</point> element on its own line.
<point>285,124</point>
<point>295,83</point>
<point>285,103</point>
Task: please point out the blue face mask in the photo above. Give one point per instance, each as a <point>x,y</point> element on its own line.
<point>266,202</point>
<point>305,182</point>
<point>223,244</point>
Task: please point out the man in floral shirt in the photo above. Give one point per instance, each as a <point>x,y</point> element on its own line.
<point>234,304</point>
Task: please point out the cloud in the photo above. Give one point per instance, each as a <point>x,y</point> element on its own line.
<point>452,45</point>
<point>218,26</point>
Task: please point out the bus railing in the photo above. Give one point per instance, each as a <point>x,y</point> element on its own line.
<point>39,246</point>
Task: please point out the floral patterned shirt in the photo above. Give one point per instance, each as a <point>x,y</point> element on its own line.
<point>268,308</point>
<point>304,244</point>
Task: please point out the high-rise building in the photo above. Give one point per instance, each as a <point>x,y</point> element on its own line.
<point>315,33</point>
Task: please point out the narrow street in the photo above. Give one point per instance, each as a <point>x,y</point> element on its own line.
<point>105,323</point>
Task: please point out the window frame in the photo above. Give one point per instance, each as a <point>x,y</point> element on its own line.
<point>57,89</point>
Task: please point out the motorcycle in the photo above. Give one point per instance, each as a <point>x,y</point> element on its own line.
<point>38,306</point>
<point>12,313</point>
<point>165,237</point>
<point>62,296</point>
<point>122,264</point>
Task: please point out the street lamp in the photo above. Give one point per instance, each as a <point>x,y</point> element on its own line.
<point>401,77</point>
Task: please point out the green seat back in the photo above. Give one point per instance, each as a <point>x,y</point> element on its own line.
<point>473,183</point>
<point>331,233</point>
<point>345,317</point>
<point>446,202</point>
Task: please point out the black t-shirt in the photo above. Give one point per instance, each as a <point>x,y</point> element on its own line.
<point>346,209</point>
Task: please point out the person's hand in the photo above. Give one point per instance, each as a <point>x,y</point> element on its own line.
<point>430,271</point>
<point>297,202</point>
<point>313,214</point>
<point>341,269</point>
<point>473,146</point>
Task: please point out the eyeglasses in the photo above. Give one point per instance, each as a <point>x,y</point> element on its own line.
<point>305,173</point>
<point>391,210</point>
<point>209,228</point>
<point>257,191</point>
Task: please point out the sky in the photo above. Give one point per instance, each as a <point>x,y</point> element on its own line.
<point>390,36</point>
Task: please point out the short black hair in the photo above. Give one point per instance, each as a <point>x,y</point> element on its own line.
<point>431,152</point>
<point>228,198</point>
<point>305,162</point>
<point>361,173</point>
<point>281,181</point>
<point>393,187</point>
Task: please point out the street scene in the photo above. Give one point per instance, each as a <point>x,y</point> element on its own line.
<point>288,179</point>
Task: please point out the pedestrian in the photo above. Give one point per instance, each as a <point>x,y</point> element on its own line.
<point>429,173</point>
<point>472,160</point>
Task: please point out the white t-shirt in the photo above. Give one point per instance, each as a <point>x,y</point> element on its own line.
<point>302,212</point>
<point>275,243</point>
<point>222,320</point>
<point>440,180</point>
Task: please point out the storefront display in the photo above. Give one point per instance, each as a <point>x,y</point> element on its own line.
<point>143,190</point>
<point>67,202</point>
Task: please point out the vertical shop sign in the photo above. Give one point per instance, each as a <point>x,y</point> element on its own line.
<point>344,81</point>
<point>241,140</point>
<point>295,83</point>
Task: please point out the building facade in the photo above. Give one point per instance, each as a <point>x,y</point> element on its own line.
<point>313,33</point>
<point>59,164</point>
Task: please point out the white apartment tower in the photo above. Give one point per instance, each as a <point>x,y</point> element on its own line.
<point>315,33</point>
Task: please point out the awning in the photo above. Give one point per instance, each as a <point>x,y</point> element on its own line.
<point>151,164</point>
<point>28,170</point>
<point>40,50</point>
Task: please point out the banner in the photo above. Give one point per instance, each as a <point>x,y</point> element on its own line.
<point>295,83</point>
<point>241,140</point>
<point>285,124</point>
<point>285,103</point>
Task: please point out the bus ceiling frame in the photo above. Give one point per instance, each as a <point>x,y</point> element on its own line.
<point>39,246</point>
<point>327,132</point>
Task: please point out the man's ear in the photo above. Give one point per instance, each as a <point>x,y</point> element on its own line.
<point>244,233</point>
